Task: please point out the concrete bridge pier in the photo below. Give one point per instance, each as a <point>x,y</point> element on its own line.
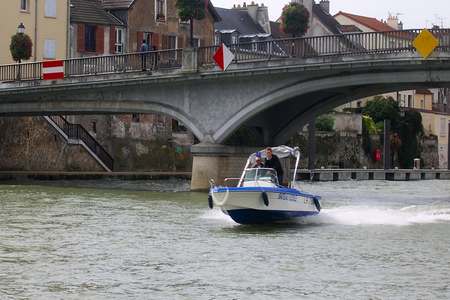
<point>215,161</point>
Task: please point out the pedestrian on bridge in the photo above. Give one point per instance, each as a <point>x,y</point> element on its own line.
<point>144,54</point>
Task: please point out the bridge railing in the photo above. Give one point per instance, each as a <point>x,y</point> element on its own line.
<point>365,43</point>
<point>97,65</point>
<point>349,44</point>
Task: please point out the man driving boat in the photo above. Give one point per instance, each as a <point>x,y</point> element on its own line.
<point>273,162</point>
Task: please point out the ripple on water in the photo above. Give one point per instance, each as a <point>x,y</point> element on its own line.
<point>373,240</point>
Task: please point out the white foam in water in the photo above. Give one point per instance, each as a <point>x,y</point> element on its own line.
<point>360,215</point>
<point>216,214</point>
<point>363,215</point>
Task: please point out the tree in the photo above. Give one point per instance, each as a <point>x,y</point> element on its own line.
<point>190,10</point>
<point>20,47</point>
<point>381,108</point>
<point>295,19</point>
<point>325,123</point>
<point>406,129</point>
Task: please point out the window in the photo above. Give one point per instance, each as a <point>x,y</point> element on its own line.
<point>89,38</point>
<point>443,131</point>
<point>50,49</point>
<point>148,37</point>
<point>409,100</point>
<point>119,40</point>
<point>196,43</point>
<point>234,38</point>
<point>50,8</point>
<point>24,5</point>
<point>172,44</point>
<point>94,127</point>
<point>217,39</point>
<point>422,104</point>
<point>160,9</point>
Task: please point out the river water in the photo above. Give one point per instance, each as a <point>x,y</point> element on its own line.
<point>373,240</point>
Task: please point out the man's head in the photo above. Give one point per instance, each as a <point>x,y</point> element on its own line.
<point>144,42</point>
<point>258,160</point>
<point>269,152</point>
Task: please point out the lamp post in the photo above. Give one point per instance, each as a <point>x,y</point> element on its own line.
<point>21,28</point>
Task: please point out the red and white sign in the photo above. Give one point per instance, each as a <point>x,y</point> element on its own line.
<point>53,69</point>
<point>223,57</point>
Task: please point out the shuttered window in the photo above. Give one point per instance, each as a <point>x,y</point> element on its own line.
<point>89,38</point>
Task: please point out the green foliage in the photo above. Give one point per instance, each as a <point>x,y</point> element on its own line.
<point>21,47</point>
<point>295,19</point>
<point>381,108</point>
<point>191,9</point>
<point>370,125</point>
<point>410,129</point>
<point>325,123</point>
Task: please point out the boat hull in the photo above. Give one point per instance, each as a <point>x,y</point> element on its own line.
<point>255,216</point>
<point>258,205</point>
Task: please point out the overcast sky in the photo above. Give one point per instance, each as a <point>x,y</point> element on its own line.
<point>413,13</point>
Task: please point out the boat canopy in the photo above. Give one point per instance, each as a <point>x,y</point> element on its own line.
<point>280,151</point>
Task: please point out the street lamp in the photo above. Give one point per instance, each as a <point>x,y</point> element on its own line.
<point>21,28</point>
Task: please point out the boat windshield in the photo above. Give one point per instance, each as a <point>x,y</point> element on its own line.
<point>261,174</point>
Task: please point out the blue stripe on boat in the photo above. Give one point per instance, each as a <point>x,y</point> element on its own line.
<point>253,216</point>
<point>281,190</point>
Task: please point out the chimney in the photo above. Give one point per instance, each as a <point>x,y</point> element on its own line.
<point>325,5</point>
<point>392,21</point>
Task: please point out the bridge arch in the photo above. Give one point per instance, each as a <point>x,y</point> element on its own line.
<point>71,107</point>
<point>294,105</point>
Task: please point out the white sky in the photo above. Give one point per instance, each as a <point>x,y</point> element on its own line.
<point>414,13</point>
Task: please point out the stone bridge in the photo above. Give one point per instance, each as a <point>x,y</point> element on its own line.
<point>275,93</point>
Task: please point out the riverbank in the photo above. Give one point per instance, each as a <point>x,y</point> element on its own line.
<point>139,177</point>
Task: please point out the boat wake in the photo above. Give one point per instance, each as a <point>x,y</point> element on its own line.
<point>363,215</point>
<point>366,215</point>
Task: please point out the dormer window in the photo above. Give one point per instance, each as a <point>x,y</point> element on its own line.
<point>160,9</point>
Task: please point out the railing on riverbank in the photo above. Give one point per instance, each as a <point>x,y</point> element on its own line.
<point>78,132</point>
<point>341,45</point>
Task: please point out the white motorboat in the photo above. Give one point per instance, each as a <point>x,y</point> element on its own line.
<point>259,197</point>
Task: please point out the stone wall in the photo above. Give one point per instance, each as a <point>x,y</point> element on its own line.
<point>31,144</point>
<point>345,150</point>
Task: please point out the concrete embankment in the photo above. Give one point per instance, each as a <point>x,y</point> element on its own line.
<point>313,175</point>
<point>47,175</point>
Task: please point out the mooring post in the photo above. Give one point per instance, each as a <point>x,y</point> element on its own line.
<point>387,145</point>
<point>312,144</point>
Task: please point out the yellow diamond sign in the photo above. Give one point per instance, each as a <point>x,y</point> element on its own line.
<point>425,43</point>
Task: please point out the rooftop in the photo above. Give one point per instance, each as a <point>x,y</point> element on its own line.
<point>239,20</point>
<point>92,12</point>
<point>369,22</point>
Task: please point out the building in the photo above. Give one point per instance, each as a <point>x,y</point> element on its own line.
<point>243,24</point>
<point>157,23</point>
<point>368,24</point>
<point>137,141</point>
<point>320,21</point>
<point>94,31</point>
<point>45,21</point>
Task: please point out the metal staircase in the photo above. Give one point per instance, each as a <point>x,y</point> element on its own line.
<point>75,134</point>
